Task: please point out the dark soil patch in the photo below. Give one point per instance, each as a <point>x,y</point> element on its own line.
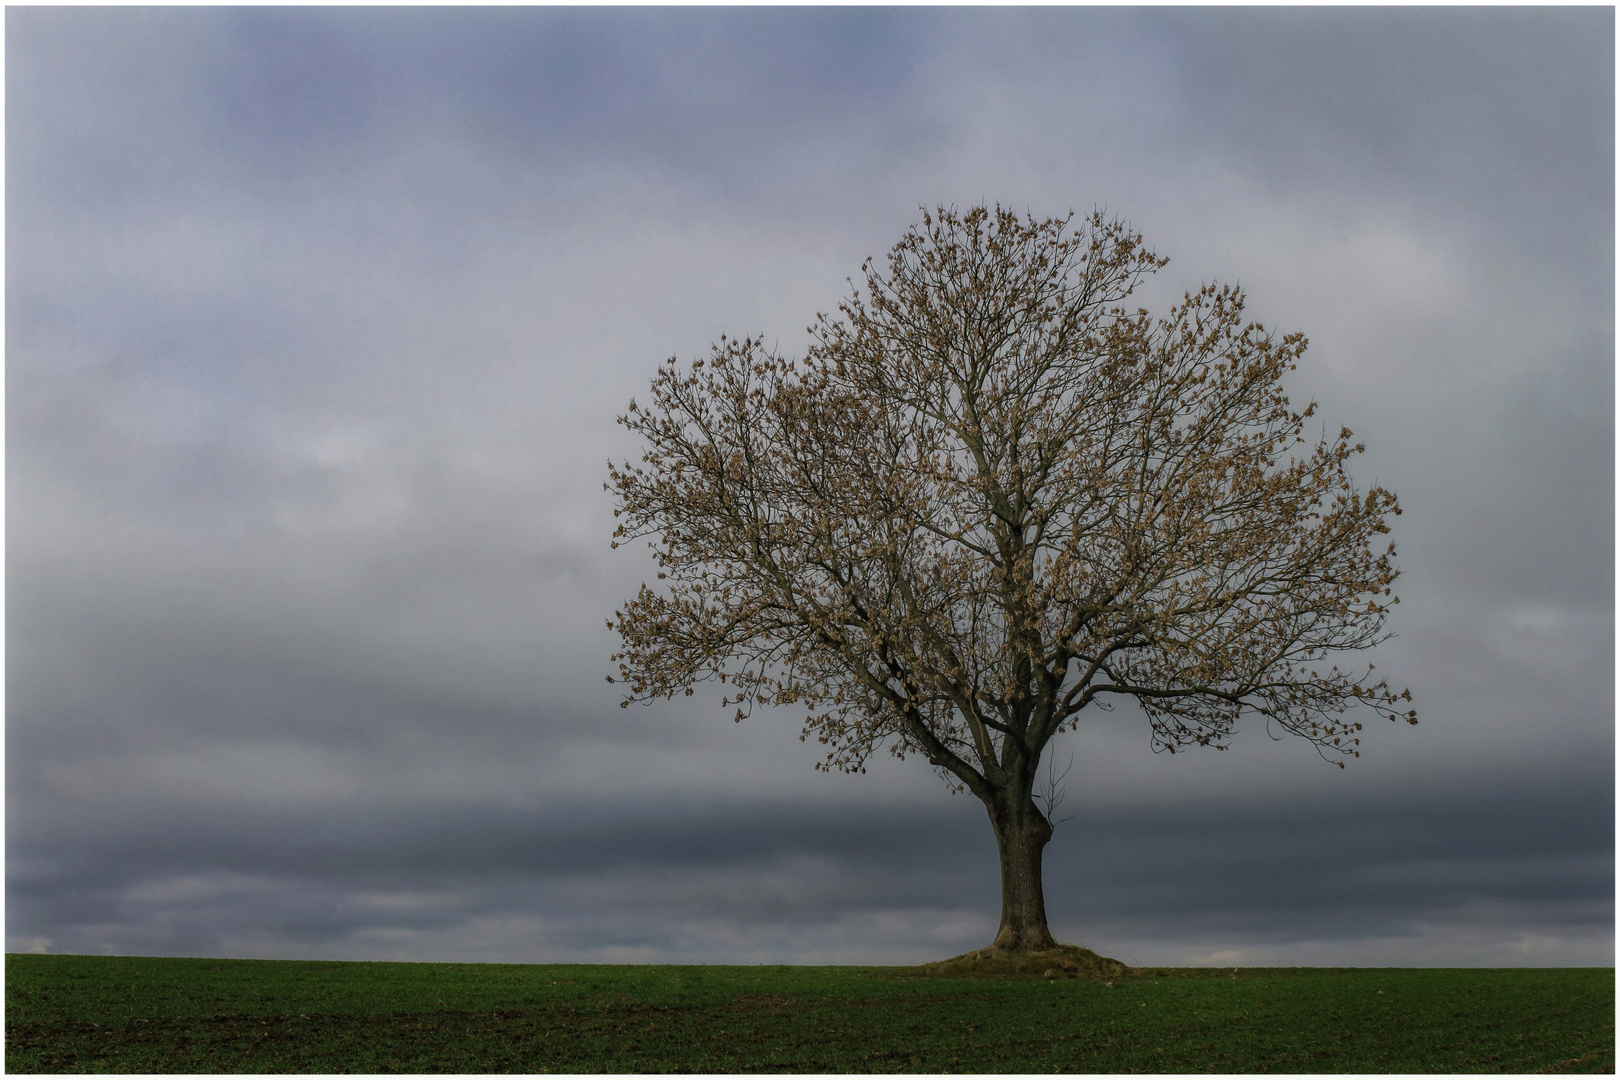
<point>1063,962</point>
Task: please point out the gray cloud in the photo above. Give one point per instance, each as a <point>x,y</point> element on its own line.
<point>318,323</point>
<point>733,876</point>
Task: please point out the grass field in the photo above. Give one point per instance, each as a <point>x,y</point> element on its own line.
<point>127,1014</point>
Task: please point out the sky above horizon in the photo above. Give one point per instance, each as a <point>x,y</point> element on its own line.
<point>318,321</point>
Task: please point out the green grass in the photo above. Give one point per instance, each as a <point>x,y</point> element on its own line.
<point>128,1014</point>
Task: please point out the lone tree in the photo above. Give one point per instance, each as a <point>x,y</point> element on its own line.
<point>991,498</point>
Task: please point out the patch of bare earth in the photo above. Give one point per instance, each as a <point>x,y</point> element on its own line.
<point>1062,962</point>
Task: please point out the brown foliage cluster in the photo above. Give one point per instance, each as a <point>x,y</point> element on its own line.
<point>991,495</point>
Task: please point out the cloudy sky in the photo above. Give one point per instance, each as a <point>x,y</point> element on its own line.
<point>317,323</point>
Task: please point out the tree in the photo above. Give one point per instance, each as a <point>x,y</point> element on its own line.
<point>989,499</point>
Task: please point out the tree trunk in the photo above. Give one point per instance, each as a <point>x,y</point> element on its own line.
<point>1021,833</point>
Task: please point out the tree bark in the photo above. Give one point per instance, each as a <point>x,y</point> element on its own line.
<point>1021,834</point>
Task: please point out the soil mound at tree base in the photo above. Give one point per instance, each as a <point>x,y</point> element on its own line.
<point>1062,962</point>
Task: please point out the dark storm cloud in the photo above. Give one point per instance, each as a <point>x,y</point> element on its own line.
<point>1334,869</point>
<point>317,323</point>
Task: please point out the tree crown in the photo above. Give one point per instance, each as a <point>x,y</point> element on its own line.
<point>991,496</point>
